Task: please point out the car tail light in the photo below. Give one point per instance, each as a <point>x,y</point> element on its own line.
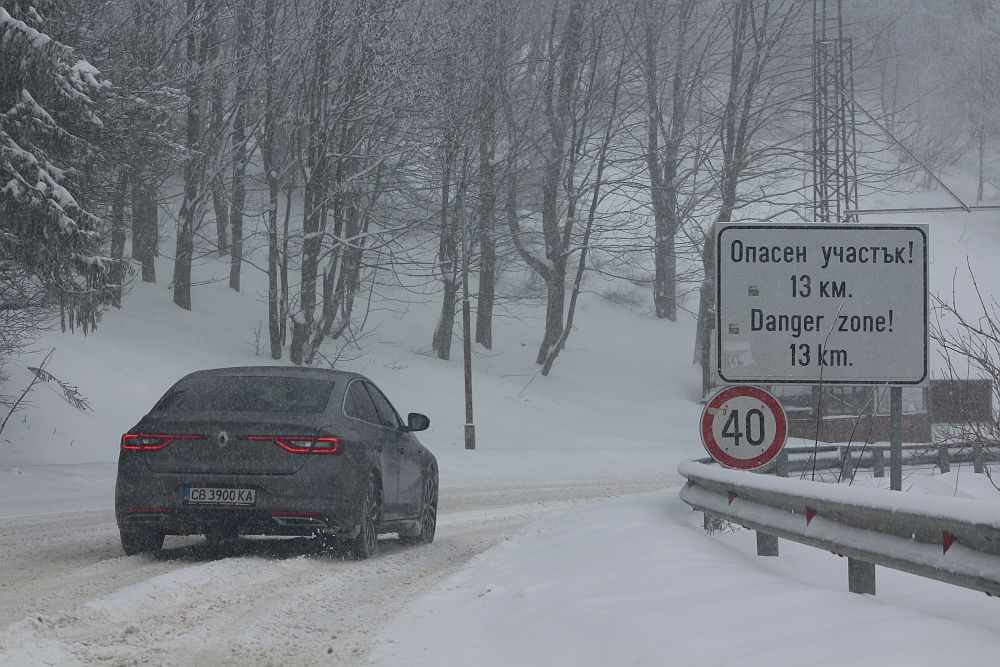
<point>148,442</point>
<point>303,444</point>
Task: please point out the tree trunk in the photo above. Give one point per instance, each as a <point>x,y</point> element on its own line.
<point>446,320</point>
<point>582,264</point>
<point>982,165</point>
<point>316,187</point>
<point>215,141</point>
<point>665,263</point>
<point>193,165</point>
<point>706,301</point>
<point>554,310</point>
<point>595,199</point>
<point>559,117</point>
<point>487,276</point>
<point>733,143</point>
<point>145,227</point>
<point>342,277</point>
<point>145,224</point>
<point>441,343</point>
<point>118,237</point>
<point>221,208</point>
<point>243,52</point>
<point>487,189</point>
<point>185,247</point>
<point>706,313</point>
<point>663,164</point>
<point>270,173</point>
<point>535,264</point>
<point>283,261</point>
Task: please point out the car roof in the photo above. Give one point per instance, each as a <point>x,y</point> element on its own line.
<point>276,371</point>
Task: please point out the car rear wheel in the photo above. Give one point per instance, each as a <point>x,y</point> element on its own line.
<point>365,544</point>
<point>428,511</point>
<point>140,541</point>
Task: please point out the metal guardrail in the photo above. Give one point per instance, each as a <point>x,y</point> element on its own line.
<point>870,456</point>
<point>953,540</point>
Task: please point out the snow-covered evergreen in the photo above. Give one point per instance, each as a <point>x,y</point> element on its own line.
<point>50,237</point>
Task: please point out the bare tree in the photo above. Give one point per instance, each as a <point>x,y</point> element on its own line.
<point>216,137</point>
<point>674,151</point>
<point>451,116</point>
<point>240,136</point>
<point>571,75</point>
<point>968,340</point>
<point>761,91</point>
<point>197,21</point>
<point>611,124</point>
<point>496,52</point>
<point>268,140</point>
<point>316,179</point>
<point>355,126</point>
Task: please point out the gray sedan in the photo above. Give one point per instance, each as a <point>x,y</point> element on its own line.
<point>275,451</point>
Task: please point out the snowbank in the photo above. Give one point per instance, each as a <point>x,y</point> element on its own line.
<point>638,582</point>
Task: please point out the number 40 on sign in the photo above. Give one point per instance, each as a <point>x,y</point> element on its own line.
<point>744,427</point>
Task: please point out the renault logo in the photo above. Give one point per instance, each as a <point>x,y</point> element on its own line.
<point>223,438</point>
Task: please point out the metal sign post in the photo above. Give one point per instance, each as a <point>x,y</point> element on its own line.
<point>896,438</point>
<point>746,428</point>
<point>470,423</point>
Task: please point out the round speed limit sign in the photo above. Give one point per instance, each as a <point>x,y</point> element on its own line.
<point>744,427</point>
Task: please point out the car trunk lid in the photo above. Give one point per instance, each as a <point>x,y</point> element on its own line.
<point>227,444</point>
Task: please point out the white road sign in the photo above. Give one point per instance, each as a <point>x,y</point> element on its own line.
<point>814,303</point>
<point>743,427</point>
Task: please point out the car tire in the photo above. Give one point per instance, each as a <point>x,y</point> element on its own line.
<point>141,541</point>
<point>365,544</point>
<point>427,525</point>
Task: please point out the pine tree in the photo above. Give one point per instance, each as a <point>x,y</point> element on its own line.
<point>49,241</point>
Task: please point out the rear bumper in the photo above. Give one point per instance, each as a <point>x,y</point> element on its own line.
<point>317,499</point>
<point>233,520</point>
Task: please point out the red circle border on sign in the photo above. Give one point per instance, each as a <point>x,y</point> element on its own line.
<point>765,457</point>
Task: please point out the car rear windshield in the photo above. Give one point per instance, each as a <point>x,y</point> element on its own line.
<point>242,393</point>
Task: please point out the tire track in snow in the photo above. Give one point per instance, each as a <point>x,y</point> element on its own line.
<point>271,602</point>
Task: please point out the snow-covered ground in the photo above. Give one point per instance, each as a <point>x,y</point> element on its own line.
<point>637,582</point>
<point>561,540</point>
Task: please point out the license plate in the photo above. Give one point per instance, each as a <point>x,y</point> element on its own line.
<point>213,496</point>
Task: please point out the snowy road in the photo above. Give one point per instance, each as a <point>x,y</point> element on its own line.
<point>69,596</point>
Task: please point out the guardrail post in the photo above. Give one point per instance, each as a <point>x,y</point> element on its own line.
<point>767,545</point>
<point>943,462</point>
<point>781,464</point>
<point>845,460</point>
<point>860,576</point>
<point>978,464</point>
<point>878,462</point>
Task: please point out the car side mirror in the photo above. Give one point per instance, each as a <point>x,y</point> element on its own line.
<point>417,422</point>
